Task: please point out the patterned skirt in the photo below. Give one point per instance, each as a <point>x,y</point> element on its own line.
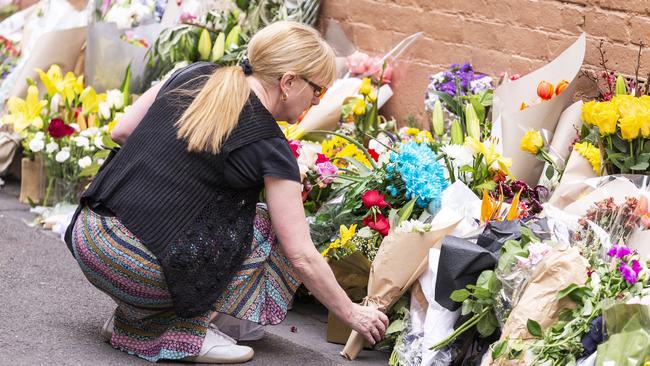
<point>117,263</point>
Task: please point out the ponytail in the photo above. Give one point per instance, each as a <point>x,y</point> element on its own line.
<point>214,112</point>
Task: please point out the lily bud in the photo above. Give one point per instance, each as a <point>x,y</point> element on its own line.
<point>437,119</point>
<point>232,41</point>
<point>456,133</point>
<point>205,45</point>
<point>219,47</point>
<point>472,122</point>
<point>545,90</point>
<point>621,88</point>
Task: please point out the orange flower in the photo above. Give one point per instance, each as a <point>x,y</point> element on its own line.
<point>545,90</point>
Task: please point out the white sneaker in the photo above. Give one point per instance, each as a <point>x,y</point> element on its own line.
<point>219,348</point>
<point>107,329</point>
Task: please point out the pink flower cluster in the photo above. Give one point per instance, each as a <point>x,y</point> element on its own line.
<point>362,65</point>
<point>629,269</point>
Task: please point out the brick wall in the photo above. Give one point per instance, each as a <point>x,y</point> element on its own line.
<point>517,36</point>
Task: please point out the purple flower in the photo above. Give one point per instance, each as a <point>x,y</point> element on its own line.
<point>636,266</point>
<point>619,251</point>
<point>628,273</point>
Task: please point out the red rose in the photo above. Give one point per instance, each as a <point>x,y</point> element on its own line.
<point>374,154</point>
<point>374,198</point>
<point>295,146</point>
<point>379,224</point>
<point>57,128</point>
<point>321,158</point>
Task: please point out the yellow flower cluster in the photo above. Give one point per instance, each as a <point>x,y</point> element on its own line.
<point>630,114</point>
<point>338,147</point>
<point>589,152</point>
<point>25,113</point>
<point>532,142</point>
<point>415,134</point>
<point>491,156</point>
<point>346,234</point>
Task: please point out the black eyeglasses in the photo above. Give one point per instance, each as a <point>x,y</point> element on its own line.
<point>318,90</point>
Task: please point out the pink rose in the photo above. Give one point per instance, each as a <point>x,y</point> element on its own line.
<point>295,147</point>
<point>358,63</point>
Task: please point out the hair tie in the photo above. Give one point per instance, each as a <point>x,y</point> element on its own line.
<point>246,66</point>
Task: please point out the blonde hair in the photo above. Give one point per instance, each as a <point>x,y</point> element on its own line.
<point>275,50</point>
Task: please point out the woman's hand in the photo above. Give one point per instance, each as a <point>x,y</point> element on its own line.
<point>290,225</point>
<point>368,321</point>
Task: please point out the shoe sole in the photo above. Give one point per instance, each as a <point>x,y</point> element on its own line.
<point>207,359</point>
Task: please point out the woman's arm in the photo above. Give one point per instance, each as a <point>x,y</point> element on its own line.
<point>290,225</point>
<point>132,117</point>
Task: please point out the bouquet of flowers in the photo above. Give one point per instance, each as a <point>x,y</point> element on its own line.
<point>128,13</point>
<point>69,127</point>
<point>620,128</point>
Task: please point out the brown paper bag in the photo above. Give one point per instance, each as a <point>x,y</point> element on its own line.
<point>32,183</point>
<point>562,267</point>
<point>401,259</point>
<point>8,147</point>
<point>352,274</point>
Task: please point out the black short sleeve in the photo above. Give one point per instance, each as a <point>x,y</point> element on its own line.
<point>248,165</point>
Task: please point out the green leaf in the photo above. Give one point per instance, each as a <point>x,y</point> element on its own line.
<point>484,278</point>
<point>640,166</point>
<point>89,171</point>
<point>126,82</point>
<point>449,101</point>
<point>567,290</point>
<point>482,293</point>
<point>478,108</point>
<point>485,327</point>
<point>396,326</point>
<point>498,349</point>
<point>619,143</point>
<point>534,328</point>
<point>550,172</point>
<point>466,308</point>
<point>406,211</point>
<point>459,295</point>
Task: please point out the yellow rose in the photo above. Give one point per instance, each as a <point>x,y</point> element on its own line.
<point>532,142</point>
<point>366,86</point>
<point>588,112</point>
<point>630,127</point>
<point>645,107</point>
<point>605,115</point>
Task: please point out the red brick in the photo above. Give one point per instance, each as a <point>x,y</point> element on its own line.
<point>607,24</point>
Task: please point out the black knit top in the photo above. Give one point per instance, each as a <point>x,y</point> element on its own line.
<point>181,205</point>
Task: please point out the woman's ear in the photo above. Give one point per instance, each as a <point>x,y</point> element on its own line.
<point>286,81</point>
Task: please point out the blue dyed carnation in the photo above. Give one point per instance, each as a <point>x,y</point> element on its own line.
<point>423,176</point>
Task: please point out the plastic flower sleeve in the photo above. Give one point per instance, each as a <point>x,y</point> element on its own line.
<point>108,55</point>
<point>628,329</point>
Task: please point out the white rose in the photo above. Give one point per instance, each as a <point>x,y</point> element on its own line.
<point>51,147</point>
<point>75,126</point>
<point>36,145</point>
<point>62,156</point>
<point>39,136</point>
<point>105,110</point>
<point>85,162</point>
<point>82,141</point>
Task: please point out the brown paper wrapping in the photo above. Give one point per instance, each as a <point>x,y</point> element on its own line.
<point>32,182</point>
<point>511,123</point>
<point>401,259</point>
<point>8,147</point>
<point>561,267</point>
<point>352,274</point>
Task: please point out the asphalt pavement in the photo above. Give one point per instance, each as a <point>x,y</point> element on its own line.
<point>51,315</point>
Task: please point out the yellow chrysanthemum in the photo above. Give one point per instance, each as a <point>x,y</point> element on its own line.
<point>591,153</point>
<point>532,142</point>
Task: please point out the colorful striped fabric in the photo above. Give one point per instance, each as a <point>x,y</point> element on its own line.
<point>117,263</point>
